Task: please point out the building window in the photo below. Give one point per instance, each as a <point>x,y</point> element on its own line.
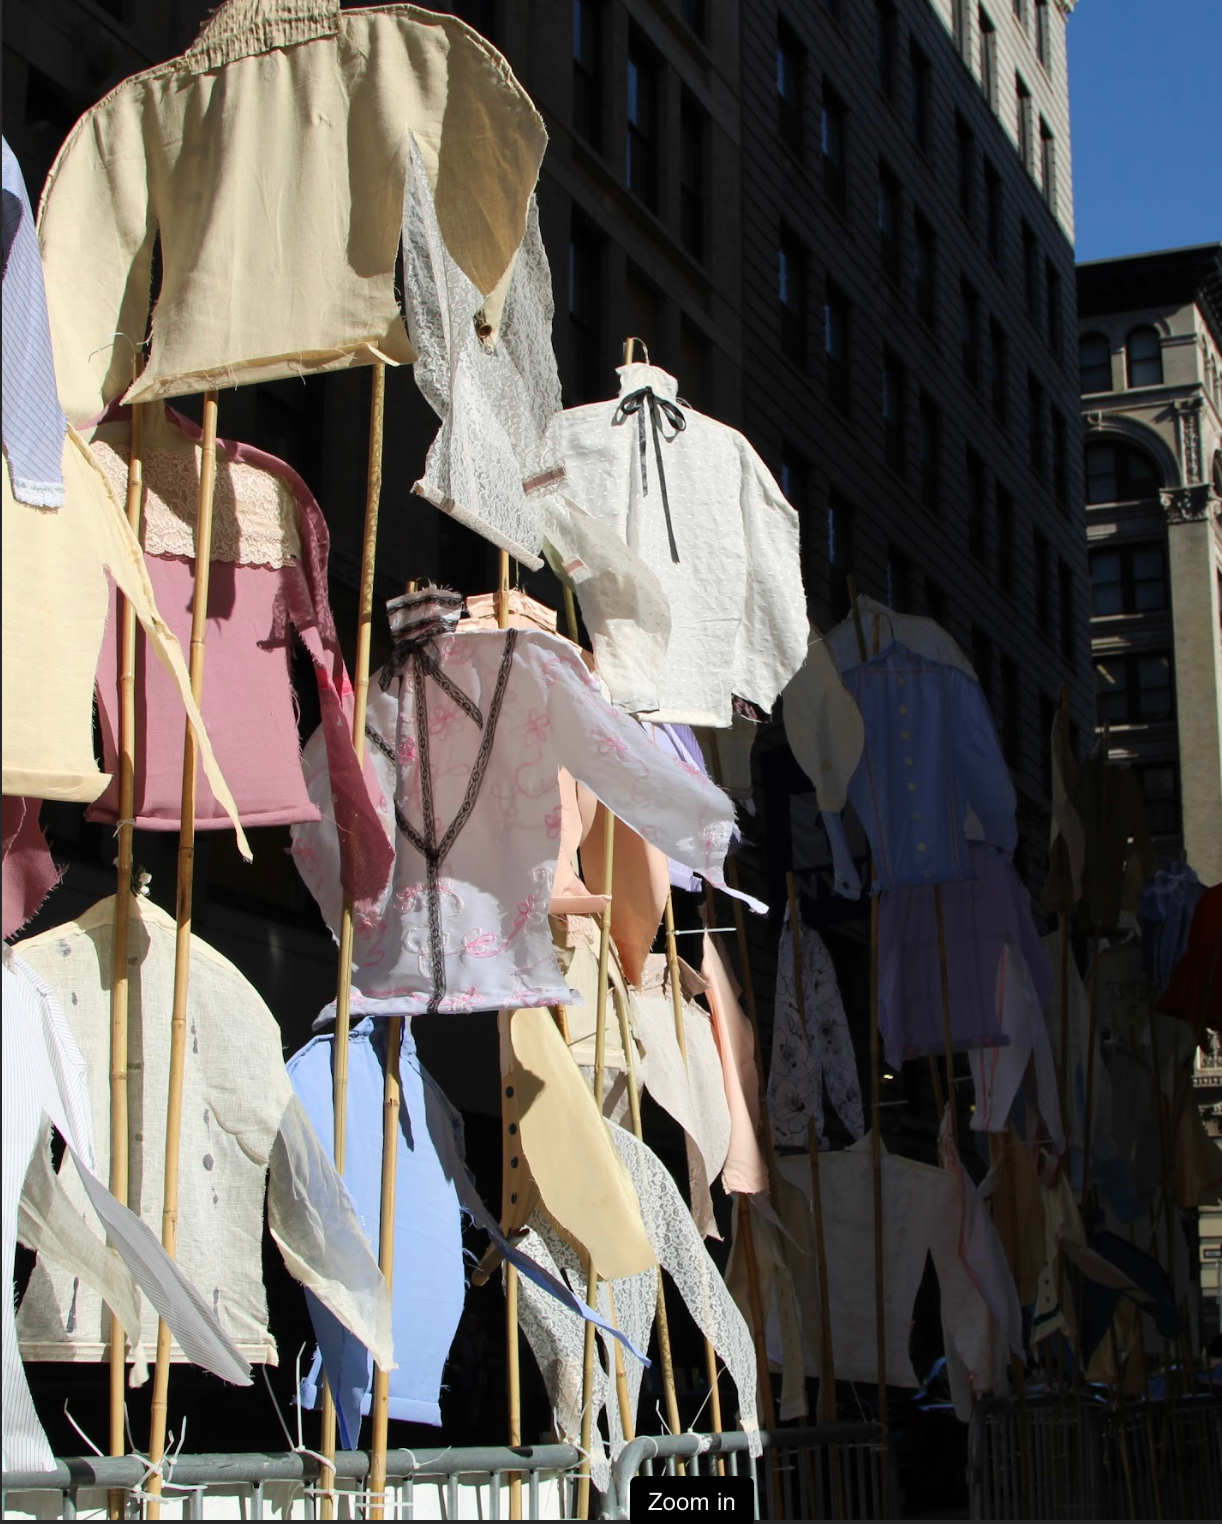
<point>1005,540</point>
<point>994,219</point>
<point>694,351</point>
<point>693,14</point>
<point>1060,460</point>
<point>1011,712</point>
<point>889,222</point>
<point>1025,124</point>
<point>1133,689</point>
<point>937,603</point>
<point>1047,714</point>
<point>1020,13</point>
<point>587,71</point>
<point>1119,473</point>
<point>791,291</point>
<point>965,165</point>
<point>836,346</point>
<point>1094,363</point>
<point>921,94</point>
<point>1043,34</point>
<point>930,446</point>
<point>790,76</point>
<point>895,408</point>
<point>1048,165</point>
<point>586,382</point>
<point>1052,298</point>
<point>1159,787</point>
<point>924,258</point>
<point>1065,589</point>
<point>982,660</point>
<point>644,304</point>
<point>999,370</point>
<point>961,29</point>
<point>834,145</point>
<point>1129,580</point>
<point>480,15</point>
<point>884,46</point>
<point>1043,582</point>
<point>975,505</point>
<point>1035,426</point>
<point>839,552</point>
<point>642,161</point>
<point>1031,295</point>
<point>795,477</point>
<point>1144,353</point>
<point>970,329</point>
<point>988,59</point>
<point>899,579</point>
<point>692,140</point>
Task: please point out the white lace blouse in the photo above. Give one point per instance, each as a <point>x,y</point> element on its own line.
<point>466,739</point>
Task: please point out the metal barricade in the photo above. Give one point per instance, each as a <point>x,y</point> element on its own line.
<point>422,1484</point>
<point>1037,1458</point>
<point>1164,1460</point>
<point>830,1472</point>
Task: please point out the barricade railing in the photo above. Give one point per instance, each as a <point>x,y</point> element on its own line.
<point>1036,1458</point>
<point>833,1471</point>
<point>1164,1460</point>
<point>1077,1457</point>
<point>471,1482</point>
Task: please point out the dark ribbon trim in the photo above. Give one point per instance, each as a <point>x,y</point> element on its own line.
<point>435,851</point>
<point>638,402</point>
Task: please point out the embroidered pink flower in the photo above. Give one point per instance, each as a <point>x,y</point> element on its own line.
<point>537,725</point>
<point>610,745</point>
<point>459,1000</point>
<point>441,720</point>
<point>407,750</point>
<point>552,822</point>
<point>408,899</point>
<point>481,944</point>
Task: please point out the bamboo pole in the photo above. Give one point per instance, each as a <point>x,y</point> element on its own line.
<point>182,939</point>
<point>119,985</point>
<point>391,1102</point>
<point>876,1165</point>
<point>676,996</point>
<point>343,991</point>
<point>827,1362</point>
<point>600,1061</point>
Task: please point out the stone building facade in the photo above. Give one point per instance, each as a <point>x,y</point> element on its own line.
<point>1150,341</point>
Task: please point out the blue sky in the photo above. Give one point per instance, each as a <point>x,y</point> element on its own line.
<point>1147,146</point>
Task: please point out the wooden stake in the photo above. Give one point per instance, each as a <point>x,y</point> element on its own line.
<point>391,1101</point>
<point>827,1363</point>
<point>119,985</point>
<point>676,996</point>
<point>343,991</point>
<point>182,938</point>
<point>600,1063</point>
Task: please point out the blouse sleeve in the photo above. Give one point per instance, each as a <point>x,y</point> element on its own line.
<point>982,768</point>
<point>671,804</point>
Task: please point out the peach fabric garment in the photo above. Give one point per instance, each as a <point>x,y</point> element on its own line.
<point>268,162</point>
<point>54,566</point>
<point>745,1169</point>
<point>582,1181</point>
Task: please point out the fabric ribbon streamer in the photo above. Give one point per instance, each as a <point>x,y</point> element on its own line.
<point>637,403</point>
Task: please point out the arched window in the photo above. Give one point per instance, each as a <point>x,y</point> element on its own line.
<point>1145,356</point>
<point>1095,362</point>
<point>1118,473</point>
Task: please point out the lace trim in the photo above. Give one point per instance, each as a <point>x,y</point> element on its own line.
<point>254,513</point>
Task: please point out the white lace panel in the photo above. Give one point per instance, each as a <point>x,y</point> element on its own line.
<point>254,512</point>
<point>557,1337</point>
<point>495,404</point>
<point>804,1061</point>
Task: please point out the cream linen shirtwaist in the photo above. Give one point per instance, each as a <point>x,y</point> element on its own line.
<point>270,161</point>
